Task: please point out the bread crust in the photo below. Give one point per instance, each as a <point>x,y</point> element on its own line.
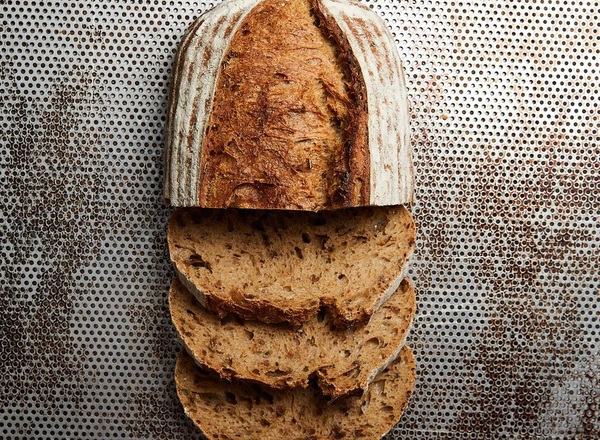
<point>305,116</point>
<point>286,131</point>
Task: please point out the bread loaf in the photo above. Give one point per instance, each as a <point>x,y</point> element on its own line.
<point>230,410</point>
<point>282,356</point>
<point>288,104</point>
<point>283,266</point>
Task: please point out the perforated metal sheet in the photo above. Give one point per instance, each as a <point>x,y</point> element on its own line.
<point>505,126</point>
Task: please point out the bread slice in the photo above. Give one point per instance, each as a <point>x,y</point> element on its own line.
<point>296,104</point>
<point>282,266</point>
<point>282,356</point>
<point>239,410</point>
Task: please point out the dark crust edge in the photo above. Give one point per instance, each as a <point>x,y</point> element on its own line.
<point>263,311</point>
<point>225,373</point>
<point>254,310</point>
<point>329,389</point>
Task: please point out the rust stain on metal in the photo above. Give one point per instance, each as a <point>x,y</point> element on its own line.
<point>51,199</point>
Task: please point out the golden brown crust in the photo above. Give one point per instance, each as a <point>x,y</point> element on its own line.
<point>287,131</point>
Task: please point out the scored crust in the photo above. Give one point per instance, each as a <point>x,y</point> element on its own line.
<point>288,122</point>
<point>282,266</point>
<point>223,409</point>
<point>282,356</point>
<point>300,104</point>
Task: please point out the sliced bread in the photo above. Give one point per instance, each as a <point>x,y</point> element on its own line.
<point>242,410</point>
<point>282,356</point>
<point>283,266</point>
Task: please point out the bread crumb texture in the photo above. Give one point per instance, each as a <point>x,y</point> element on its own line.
<point>230,410</point>
<point>283,356</point>
<point>283,266</point>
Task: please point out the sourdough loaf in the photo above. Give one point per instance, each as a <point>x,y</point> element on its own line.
<point>283,266</point>
<point>293,104</point>
<point>282,356</point>
<point>228,410</point>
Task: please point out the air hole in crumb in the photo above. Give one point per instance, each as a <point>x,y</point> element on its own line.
<point>372,343</point>
<point>341,276</point>
<point>276,373</point>
<point>265,422</point>
<point>230,398</point>
<point>231,318</point>
<point>249,334</point>
<point>321,315</point>
<point>324,238</point>
<point>305,237</point>
<point>196,260</point>
<point>298,252</point>
<point>352,373</point>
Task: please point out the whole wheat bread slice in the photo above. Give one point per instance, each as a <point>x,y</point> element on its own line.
<point>283,266</point>
<point>282,356</point>
<point>242,410</point>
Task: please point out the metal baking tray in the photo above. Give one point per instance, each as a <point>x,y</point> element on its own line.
<point>504,99</point>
